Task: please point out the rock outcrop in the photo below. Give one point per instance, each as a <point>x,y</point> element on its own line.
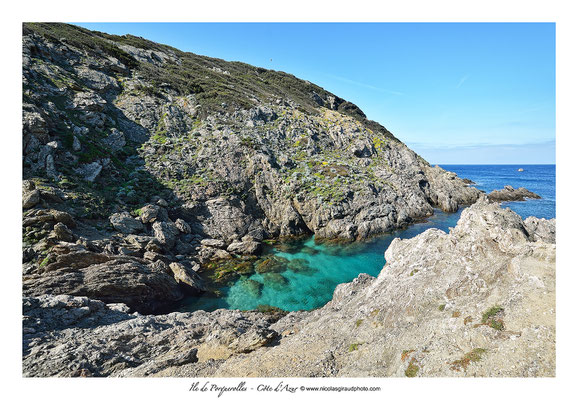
<point>479,301</point>
<point>508,193</point>
<point>144,165</point>
<point>238,150</point>
<point>137,156</point>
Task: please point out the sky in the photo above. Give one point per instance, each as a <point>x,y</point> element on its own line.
<point>456,93</point>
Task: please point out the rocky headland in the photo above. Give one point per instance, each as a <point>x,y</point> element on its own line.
<point>479,301</point>
<point>144,165</point>
<point>150,173</point>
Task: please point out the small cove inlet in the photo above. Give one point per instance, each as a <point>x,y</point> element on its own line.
<point>302,275</point>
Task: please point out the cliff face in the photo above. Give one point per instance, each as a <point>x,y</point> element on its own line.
<point>143,163</point>
<point>479,301</point>
<point>111,122</point>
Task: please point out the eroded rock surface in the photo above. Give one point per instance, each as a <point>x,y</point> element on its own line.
<point>479,301</point>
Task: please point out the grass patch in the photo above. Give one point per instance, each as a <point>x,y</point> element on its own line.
<point>354,346</point>
<point>491,313</point>
<point>412,369</point>
<point>442,307</point>
<point>492,317</point>
<point>473,356</point>
<point>358,322</point>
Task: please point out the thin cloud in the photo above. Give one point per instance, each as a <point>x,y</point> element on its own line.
<point>464,78</point>
<point>365,85</point>
<point>465,146</point>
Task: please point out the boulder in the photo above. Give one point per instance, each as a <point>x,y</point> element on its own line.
<point>115,140</point>
<point>183,226</point>
<point>149,213</point>
<point>28,185</point>
<point>166,233</point>
<point>248,247</point>
<point>213,243</point>
<point>189,279</point>
<point>61,232</point>
<point>89,172</point>
<point>88,101</point>
<point>125,223</point>
<point>30,199</point>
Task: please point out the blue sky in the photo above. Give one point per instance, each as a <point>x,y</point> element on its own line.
<point>480,93</point>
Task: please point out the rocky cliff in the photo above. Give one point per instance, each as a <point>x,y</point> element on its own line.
<point>112,121</point>
<point>142,164</point>
<point>479,301</point>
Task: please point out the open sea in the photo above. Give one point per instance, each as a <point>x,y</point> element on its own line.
<point>326,266</point>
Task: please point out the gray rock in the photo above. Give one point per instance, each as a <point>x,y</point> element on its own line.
<point>30,199</point>
<point>112,279</point>
<point>183,226</point>
<point>214,243</point>
<point>508,193</point>
<point>188,278</point>
<point>61,232</point>
<point>183,248</point>
<point>115,140</point>
<point>88,101</point>
<point>125,223</point>
<point>28,185</point>
<point>198,340</point>
<point>89,172</point>
<point>76,146</point>
<point>150,213</point>
<point>244,247</point>
<point>166,233</point>
<point>541,229</point>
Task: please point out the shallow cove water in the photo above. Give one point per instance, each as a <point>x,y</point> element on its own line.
<point>314,270</point>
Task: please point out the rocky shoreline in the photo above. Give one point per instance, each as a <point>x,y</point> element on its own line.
<point>479,301</point>
<point>150,173</point>
<point>145,166</point>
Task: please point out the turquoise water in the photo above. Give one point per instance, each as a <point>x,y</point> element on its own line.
<point>323,267</point>
<point>310,272</point>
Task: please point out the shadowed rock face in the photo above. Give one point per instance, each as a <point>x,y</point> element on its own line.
<point>479,301</point>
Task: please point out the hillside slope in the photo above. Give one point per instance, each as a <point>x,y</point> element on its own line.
<point>130,116</point>
<point>157,161</point>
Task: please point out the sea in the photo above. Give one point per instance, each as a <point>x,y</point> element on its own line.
<point>329,265</point>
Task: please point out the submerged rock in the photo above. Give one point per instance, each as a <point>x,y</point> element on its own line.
<point>271,263</point>
<point>253,287</point>
<point>479,301</point>
<point>275,280</point>
<point>301,266</point>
